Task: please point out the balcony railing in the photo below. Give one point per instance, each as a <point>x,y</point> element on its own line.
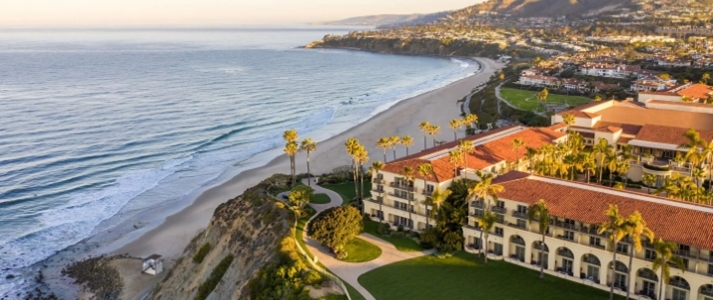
<point>477,213</point>
<point>427,193</point>
<point>597,246</point>
<point>592,231</point>
<point>499,210</point>
<point>561,224</point>
<point>406,197</point>
<point>378,180</point>
<point>519,214</point>
<point>688,253</point>
<point>401,186</point>
<point>478,204</point>
<point>564,237</point>
<point>518,226</point>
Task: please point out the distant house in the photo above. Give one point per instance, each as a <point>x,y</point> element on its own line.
<point>152,265</point>
<point>648,85</point>
<point>538,80</point>
<point>694,92</point>
<point>609,70</point>
<point>572,84</point>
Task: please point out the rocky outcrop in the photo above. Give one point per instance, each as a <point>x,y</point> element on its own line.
<point>249,227</point>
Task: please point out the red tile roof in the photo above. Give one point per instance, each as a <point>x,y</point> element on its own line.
<point>689,104</point>
<point>587,203</point>
<point>668,134</point>
<point>696,91</point>
<point>486,154</point>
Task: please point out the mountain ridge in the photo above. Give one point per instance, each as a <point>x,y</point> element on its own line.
<point>543,8</point>
<point>389,20</point>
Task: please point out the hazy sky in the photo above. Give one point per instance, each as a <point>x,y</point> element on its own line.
<point>203,12</point>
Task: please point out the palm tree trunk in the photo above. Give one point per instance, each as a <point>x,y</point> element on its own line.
<point>434,141</point>
<point>710,177</point>
<point>424,142</point>
<point>661,283</point>
<point>587,177</point>
<point>356,188</point>
<point>406,150</point>
<point>455,135</point>
<point>409,213</point>
<point>309,181</point>
<point>385,155</point>
<point>613,275</point>
<point>542,252</point>
<point>628,277</point>
<point>485,257</point>
<point>381,211</point>
<point>292,170</point>
<point>362,188</point>
<point>601,169</point>
<point>394,153</point>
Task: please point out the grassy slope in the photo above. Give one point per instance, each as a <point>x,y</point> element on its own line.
<point>517,98</point>
<point>319,199</point>
<point>359,250</point>
<point>402,244</point>
<point>464,276</point>
<point>346,190</point>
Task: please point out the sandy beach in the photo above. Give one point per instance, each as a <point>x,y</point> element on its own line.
<point>438,107</point>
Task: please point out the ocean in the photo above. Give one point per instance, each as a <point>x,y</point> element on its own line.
<point>97,126</point>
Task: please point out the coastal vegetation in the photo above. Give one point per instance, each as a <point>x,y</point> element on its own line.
<point>207,287</point>
<point>336,227</point>
<point>301,195</point>
<point>462,276</point>
<point>202,252</point>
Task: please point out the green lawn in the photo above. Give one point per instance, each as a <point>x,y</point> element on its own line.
<point>464,276</point>
<point>319,199</point>
<point>526,100</point>
<point>402,244</point>
<point>346,190</point>
<point>359,250</point>
<point>298,234</point>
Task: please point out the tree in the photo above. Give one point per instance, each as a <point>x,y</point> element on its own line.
<point>336,226</point>
<point>589,164</point>
<point>362,157</point>
<point>616,229</point>
<point>436,198</point>
<point>353,147</point>
<point>454,158</point>
<point>383,143</point>
<point>434,130</point>
<point>424,126</point>
<point>501,76</point>
<point>649,180</point>
<point>531,154</point>
<point>407,173</point>
<point>665,77</point>
<point>407,141</point>
<point>601,150</point>
<point>664,258</point>
<point>300,195</point>
<point>455,124</point>
<point>485,187</point>
<point>291,148</point>
<point>540,213</point>
<point>597,98</point>
<point>568,119</point>
<point>309,146</point>
<point>394,141</point>
<point>635,229</point>
<point>542,96</point>
<point>466,148</point>
<point>486,224</point>
<point>373,171</point>
<point>706,78</point>
<point>517,144</point>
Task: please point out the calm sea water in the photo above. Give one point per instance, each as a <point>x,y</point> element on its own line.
<point>95,125</point>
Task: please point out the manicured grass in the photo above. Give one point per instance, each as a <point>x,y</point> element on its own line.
<point>298,234</point>
<point>334,297</point>
<point>319,199</point>
<point>527,100</point>
<point>359,250</point>
<point>346,190</point>
<point>404,244</point>
<point>464,276</point>
<point>353,292</point>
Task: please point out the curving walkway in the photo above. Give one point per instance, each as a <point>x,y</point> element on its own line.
<point>350,272</point>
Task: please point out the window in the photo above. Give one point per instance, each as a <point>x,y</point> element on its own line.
<point>650,254</point>
<point>498,248</point>
<point>710,269</point>
<point>685,262</point>
<point>569,235</point>
<point>622,248</point>
<point>501,219</point>
<point>521,223</point>
<point>380,188</point>
<point>401,205</point>
<point>500,204</point>
<point>522,209</point>
<point>679,294</point>
<point>595,241</point>
<point>429,188</point>
<point>380,214</point>
<point>499,231</point>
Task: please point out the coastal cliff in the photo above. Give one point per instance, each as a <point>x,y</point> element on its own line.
<point>243,237</point>
<point>418,46</point>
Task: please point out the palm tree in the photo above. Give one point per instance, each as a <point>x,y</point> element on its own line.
<point>517,144</point>
<point>612,163</point>
<point>424,126</point>
<point>530,155</point>
<point>406,141</point>
<point>486,224</point>
<point>373,171</point>
<point>362,157</point>
<point>394,141</point>
<point>649,180</point>
<point>455,124</point>
<point>434,130</point>
<point>310,146</point>
<point>291,148</point>
<point>706,77</point>
<point>469,120</point>
<point>664,258</point>
<point>707,152</point>
<point>407,173</point>
<point>635,229</point>
<point>454,157</point>
<point>436,198</point>
<point>597,98</point>
<point>568,119</point>
<point>589,163</point>
<point>616,228</point>
<point>466,147</point>
<point>383,143</point>
<point>540,213</point>
<point>352,146</point>
<point>601,150</point>
<point>485,187</point>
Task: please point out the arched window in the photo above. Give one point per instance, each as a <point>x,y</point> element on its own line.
<point>648,274</point>
<point>707,290</point>
<point>538,246</point>
<point>679,282</point>
<point>621,267</point>
<point>565,252</point>
<point>516,239</point>
<point>592,259</point>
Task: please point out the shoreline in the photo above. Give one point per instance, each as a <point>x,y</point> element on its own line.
<point>170,237</point>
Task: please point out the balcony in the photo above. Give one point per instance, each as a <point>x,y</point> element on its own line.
<point>514,225</point>
<point>561,224</point>
<point>597,246</point>
<point>477,213</point>
<point>405,197</point>
<point>378,180</point>
<point>688,253</point>
<point>499,210</point>
<point>478,204</point>
<point>592,231</point>
<point>564,237</point>
<point>519,214</point>
<point>400,186</point>
<point>427,193</point>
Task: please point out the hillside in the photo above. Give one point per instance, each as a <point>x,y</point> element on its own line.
<point>543,8</point>
<point>389,20</point>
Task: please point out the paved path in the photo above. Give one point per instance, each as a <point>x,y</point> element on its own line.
<point>350,272</point>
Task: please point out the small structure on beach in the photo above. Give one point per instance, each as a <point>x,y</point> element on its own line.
<point>152,265</point>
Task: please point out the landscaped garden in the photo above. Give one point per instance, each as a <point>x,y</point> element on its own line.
<point>527,100</point>
<point>464,276</point>
<point>346,190</point>
<point>361,251</point>
<point>400,240</point>
<point>319,199</point>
